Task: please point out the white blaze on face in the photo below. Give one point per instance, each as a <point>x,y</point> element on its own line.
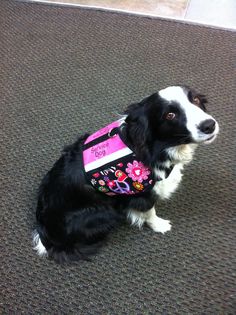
<point>194,115</point>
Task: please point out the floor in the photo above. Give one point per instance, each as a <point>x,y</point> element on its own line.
<point>220,13</point>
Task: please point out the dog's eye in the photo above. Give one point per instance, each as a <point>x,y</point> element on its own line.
<point>170,116</point>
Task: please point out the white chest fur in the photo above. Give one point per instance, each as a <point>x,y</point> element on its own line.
<point>179,156</point>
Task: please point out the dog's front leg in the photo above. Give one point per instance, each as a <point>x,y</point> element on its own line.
<point>153,221</point>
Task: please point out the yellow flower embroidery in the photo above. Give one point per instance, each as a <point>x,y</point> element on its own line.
<point>138,185</point>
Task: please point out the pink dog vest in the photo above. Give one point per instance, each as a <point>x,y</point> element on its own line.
<point>111,167</point>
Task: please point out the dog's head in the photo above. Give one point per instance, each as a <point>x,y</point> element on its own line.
<point>175,115</point>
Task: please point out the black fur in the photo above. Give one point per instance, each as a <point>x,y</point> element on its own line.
<point>72,218</point>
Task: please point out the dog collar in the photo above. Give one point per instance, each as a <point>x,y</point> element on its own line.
<point>112,167</point>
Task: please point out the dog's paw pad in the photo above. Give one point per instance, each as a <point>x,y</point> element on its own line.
<point>160,225</point>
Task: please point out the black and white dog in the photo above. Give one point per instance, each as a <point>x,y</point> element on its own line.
<point>119,172</point>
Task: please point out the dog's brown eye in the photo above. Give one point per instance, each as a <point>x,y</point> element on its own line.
<point>170,116</point>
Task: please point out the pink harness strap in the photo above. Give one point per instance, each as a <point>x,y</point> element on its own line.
<point>106,151</point>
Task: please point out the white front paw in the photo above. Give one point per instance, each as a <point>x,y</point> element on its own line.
<point>159,225</point>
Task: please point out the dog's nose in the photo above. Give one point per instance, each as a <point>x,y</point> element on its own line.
<point>207,126</point>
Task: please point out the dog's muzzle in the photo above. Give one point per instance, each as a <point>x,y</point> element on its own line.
<point>209,129</point>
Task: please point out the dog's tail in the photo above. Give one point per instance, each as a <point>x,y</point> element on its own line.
<point>79,251</point>
<point>38,245</point>
<point>83,237</point>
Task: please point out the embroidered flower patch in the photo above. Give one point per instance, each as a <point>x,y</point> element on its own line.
<point>138,186</point>
<point>137,171</point>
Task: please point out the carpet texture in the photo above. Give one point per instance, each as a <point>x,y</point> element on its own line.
<point>65,70</point>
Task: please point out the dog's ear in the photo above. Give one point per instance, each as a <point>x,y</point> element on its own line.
<point>138,132</point>
<point>200,100</point>
<point>197,99</point>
